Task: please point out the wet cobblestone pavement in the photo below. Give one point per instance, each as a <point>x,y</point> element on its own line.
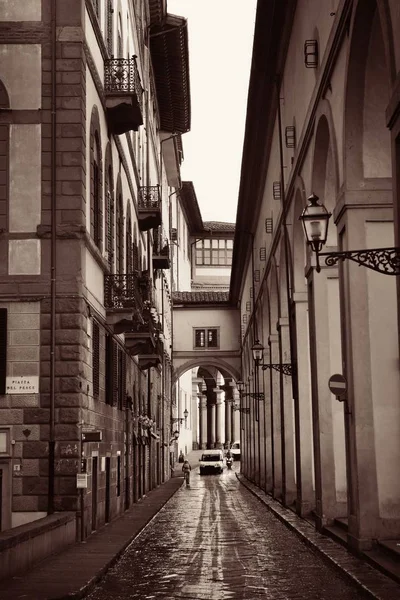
<point>216,541</point>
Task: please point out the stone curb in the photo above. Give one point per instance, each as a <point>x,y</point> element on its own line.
<point>370,580</point>
<point>88,587</point>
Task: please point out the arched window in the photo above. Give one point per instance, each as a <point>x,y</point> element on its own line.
<point>96,203</point>
<point>135,251</point>
<point>129,243</point>
<point>109,205</point>
<point>119,235</point>
<point>110,26</point>
<point>4,161</point>
<point>120,49</point>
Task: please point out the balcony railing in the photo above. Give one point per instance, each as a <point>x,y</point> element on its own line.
<point>121,76</point>
<point>149,197</point>
<point>123,291</point>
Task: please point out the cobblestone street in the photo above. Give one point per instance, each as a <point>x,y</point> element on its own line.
<point>217,541</point>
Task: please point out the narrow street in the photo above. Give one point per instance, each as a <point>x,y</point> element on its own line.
<point>216,541</point>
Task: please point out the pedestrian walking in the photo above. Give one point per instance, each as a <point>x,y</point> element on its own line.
<point>186,468</point>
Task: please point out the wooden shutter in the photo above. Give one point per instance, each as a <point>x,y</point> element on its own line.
<point>96,359</point>
<point>3,349</point>
<point>114,373</point>
<point>109,369</point>
<point>123,379</point>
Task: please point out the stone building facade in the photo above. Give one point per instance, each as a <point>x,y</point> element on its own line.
<point>90,150</point>
<point>323,118</point>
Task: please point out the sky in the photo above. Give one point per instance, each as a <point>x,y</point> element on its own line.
<point>220,48</point>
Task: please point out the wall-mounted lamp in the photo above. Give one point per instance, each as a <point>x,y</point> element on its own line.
<point>243,394</point>
<point>315,219</point>
<point>181,419</point>
<point>175,436</point>
<point>258,356</point>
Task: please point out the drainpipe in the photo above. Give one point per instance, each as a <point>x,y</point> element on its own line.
<point>292,345</point>
<point>53,257</point>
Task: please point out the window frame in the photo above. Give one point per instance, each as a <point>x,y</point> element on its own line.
<point>206,344</point>
<point>206,251</point>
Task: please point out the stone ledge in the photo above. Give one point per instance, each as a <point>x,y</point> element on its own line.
<point>17,535</point>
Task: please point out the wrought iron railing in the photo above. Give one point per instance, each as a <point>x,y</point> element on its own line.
<point>121,76</point>
<point>123,291</point>
<point>149,197</point>
<point>160,243</point>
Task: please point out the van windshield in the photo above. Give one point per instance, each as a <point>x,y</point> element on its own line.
<point>210,457</point>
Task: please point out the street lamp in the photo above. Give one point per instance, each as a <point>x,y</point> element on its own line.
<point>258,353</point>
<point>315,219</point>
<point>243,394</point>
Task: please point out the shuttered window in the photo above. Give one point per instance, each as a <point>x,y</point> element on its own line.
<point>3,349</point>
<point>96,359</point>
<point>115,374</point>
<point>109,369</point>
<point>206,338</point>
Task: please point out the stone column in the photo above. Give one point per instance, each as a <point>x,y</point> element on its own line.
<point>212,425</point>
<point>218,418</point>
<point>303,414</point>
<point>228,414</point>
<point>288,436</point>
<point>203,422</point>
<point>235,418</point>
<point>276,418</point>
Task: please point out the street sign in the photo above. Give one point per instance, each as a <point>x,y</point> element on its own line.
<point>92,436</point>
<point>338,385</point>
<point>81,480</point>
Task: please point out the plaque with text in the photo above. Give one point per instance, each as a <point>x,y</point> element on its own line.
<point>22,385</point>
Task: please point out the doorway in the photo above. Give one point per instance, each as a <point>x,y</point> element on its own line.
<point>108,491</point>
<point>94,492</point>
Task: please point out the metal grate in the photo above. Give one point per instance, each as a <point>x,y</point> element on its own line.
<point>276,190</point>
<point>248,306</point>
<point>290,136</point>
<point>244,318</point>
<point>96,358</point>
<point>263,254</point>
<point>269,225</point>
<point>149,197</point>
<point>123,291</point>
<point>121,76</point>
<point>256,275</point>
<point>311,54</point>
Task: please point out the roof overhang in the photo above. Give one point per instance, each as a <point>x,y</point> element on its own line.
<point>191,208</point>
<point>271,37</point>
<point>158,11</point>
<point>172,153</point>
<point>170,57</point>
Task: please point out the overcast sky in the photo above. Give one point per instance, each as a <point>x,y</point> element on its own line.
<point>220,47</point>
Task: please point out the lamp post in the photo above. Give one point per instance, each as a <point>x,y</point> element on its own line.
<point>315,219</point>
<point>258,355</point>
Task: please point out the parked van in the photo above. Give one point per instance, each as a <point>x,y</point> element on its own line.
<point>235,450</point>
<point>211,461</point>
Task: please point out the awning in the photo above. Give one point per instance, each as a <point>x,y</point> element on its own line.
<point>170,57</point>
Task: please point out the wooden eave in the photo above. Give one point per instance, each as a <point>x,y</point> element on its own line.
<point>170,57</point>
<point>158,11</point>
<point>191,208</point>
<point>271,38</point>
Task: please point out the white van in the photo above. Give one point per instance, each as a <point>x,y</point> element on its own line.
<point>235,450</point>
<point>211,461</point>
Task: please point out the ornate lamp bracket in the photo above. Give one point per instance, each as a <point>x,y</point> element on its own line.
<point>285,368</point>
<point>382,260</point>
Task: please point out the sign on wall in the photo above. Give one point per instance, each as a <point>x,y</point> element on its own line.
<point>22,385</point>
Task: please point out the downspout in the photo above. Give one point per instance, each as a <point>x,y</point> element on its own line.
<point>53,260</point>
<point>289,306</point>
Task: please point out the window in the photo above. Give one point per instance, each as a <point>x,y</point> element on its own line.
<point>96,359</point>
<point>206,338</point>
<point>3,349</point>
<point>115,374</point>
<point>96,206</point>
<point>214,252</point>
<point>109,21</point>
<point>118,475</point>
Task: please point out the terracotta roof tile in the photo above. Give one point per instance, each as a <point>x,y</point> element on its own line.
<point>209,297</point>
<point>219,226</point>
